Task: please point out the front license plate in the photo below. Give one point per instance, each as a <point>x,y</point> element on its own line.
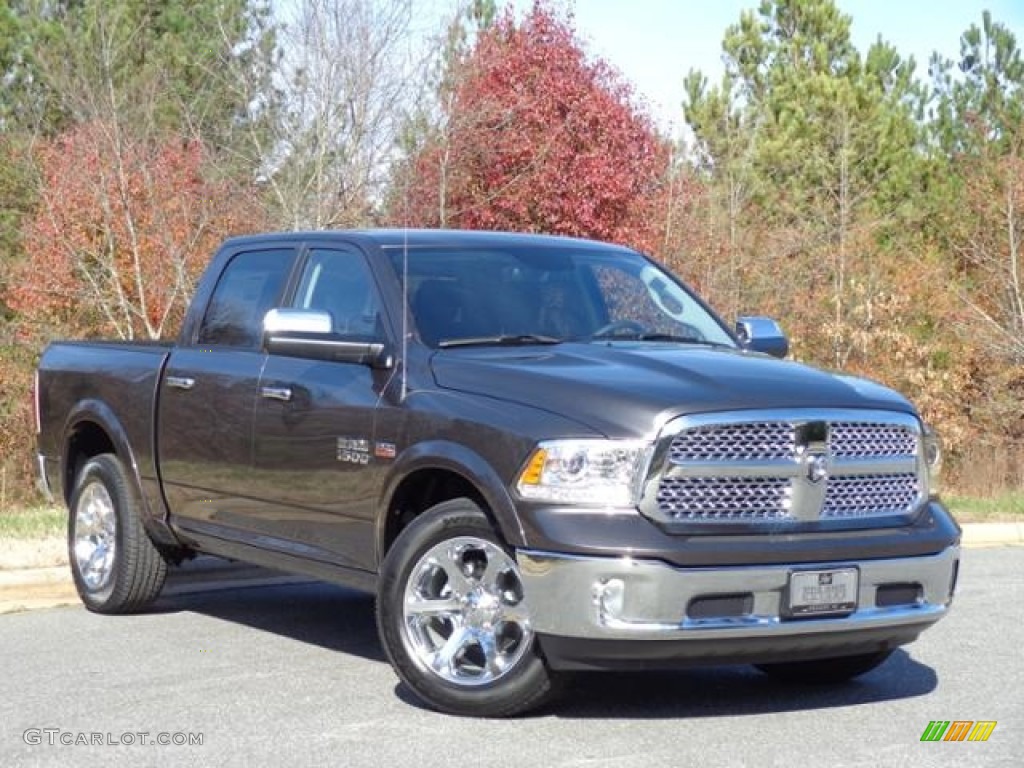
<point>823,593</point>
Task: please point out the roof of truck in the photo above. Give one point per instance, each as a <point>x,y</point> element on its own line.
<point>419,237</point>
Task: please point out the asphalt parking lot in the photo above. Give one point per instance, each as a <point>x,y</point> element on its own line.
<point>292,672</point>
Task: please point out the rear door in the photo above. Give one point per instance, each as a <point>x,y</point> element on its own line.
<point>209,392</point>
<point>318,465</point>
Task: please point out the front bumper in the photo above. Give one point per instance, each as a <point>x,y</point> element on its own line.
<point>599,612</point>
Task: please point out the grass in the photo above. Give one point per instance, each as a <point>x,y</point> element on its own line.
<point>1006,507</point>
<point>34,523</point>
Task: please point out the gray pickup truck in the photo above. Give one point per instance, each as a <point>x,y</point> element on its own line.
<point>541,454</point>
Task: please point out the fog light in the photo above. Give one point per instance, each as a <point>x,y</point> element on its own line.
<point>609,597</point>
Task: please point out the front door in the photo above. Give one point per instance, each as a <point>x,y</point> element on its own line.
<point>317,465</point>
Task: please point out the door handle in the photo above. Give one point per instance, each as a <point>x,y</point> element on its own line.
<point>276,393</point>
<point>180,382</point>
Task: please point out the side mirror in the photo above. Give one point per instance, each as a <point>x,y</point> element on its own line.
<point>309,333</point>
<point>762,334</point>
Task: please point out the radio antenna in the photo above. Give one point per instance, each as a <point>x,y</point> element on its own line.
<point>405,298</point>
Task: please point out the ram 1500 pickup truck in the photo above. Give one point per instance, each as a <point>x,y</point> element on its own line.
<point>539,453</point>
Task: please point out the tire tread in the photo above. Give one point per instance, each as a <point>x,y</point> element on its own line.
<point>139,568</point>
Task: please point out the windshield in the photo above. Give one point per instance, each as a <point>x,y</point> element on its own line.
<point>528,294</point>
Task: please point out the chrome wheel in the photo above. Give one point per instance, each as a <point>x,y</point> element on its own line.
<point>465,619</point>
<point>95,543</point>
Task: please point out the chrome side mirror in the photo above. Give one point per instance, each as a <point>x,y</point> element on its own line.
<point>309,333</point>
<point>762,334</point>
<point>286,321</point>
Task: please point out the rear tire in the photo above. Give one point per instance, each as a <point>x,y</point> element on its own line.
<point>825,671</point>
<point>453,618</point>
<point>115,566</point>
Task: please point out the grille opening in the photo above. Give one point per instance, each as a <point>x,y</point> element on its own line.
<point>899,594</point>
<point>862,439</point>
<point>865,495</point>
<point>732,442</point>
<point>771,484</point>
<point>721,606</point>
<point>727,499</point>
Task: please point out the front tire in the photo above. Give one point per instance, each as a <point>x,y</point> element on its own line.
<point>453,618</point>
<point>115,566</point>
<point>826,671</point>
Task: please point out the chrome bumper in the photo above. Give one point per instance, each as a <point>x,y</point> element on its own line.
<point>627,599</point>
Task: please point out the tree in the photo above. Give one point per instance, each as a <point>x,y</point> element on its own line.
<point>815,143</point>
<point>116,245</point>
<point>983,100</point>
<point>151,61</point>
<point>989,239</point>
<point>978,123</point>
<point>537,137</point>
<point>322,136</point>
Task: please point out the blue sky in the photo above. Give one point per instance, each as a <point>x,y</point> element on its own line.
<point>654,43</point>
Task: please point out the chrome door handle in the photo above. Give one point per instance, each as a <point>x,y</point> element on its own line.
<point>180,382</point>
<point>276,393</point>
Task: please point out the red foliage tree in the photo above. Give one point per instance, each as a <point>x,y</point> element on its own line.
<point>536,137</point>
<point>122,230</point>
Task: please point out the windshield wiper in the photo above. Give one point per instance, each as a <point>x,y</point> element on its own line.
<point>682,340</point>
<point>670,337</point>
<point>508,340</point>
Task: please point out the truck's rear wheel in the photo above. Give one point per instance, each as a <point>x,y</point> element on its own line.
<point>115,566</point>
<point>453,618</point>
<point>825,671</point>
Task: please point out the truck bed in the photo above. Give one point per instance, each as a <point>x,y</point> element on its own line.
<point>116,379</point>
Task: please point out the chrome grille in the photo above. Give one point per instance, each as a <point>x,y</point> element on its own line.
<point>713,499</point>
<point>870,495</point>
<point>787,466</point>
<point>853,440</point>
<point>735,442</point>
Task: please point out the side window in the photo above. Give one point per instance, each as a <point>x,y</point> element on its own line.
<point>250,285</point>
<point>340,283</point>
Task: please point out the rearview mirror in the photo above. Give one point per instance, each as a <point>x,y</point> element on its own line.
<point>762,334</point>
<point>309,333</point>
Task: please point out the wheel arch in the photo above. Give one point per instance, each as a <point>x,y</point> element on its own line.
<point>440,470</point>
<point>92,428</point>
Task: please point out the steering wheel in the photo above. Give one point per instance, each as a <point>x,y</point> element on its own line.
<point>619,328</point>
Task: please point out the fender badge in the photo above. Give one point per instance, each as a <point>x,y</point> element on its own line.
<point>384,450</point>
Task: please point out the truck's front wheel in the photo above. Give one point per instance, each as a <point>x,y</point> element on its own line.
<point>453,618</point>
<point>115,566</point>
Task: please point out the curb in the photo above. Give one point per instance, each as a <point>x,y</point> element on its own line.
<point>976,535</point>
<point>25,589</point>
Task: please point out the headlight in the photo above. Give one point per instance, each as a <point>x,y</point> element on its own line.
<point>605,472</point>
<point>932,447</point>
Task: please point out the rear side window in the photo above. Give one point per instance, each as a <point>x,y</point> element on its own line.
<point>250,285</point>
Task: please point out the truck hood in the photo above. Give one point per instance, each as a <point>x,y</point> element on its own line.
<point>626,389</point>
